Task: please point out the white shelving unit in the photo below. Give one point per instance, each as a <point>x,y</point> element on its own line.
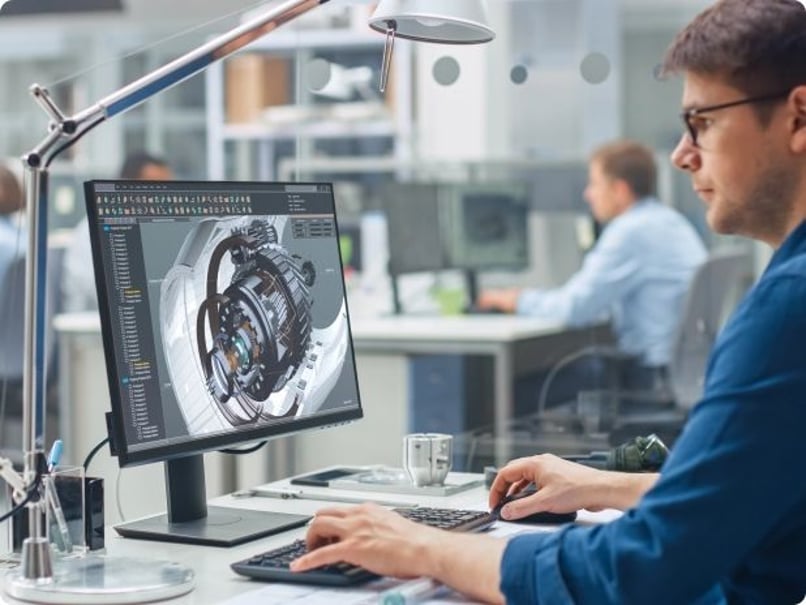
<point>261,138</point>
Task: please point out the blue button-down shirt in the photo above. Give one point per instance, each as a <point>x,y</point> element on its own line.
<point>636,275</point>
<point>726,522</point>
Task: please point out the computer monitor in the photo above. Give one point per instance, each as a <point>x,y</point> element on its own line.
<point>472,227</point>
<point>224,320</point>
<point>487,227</point>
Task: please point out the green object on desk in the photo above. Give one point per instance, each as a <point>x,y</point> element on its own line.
<point>450,301</point>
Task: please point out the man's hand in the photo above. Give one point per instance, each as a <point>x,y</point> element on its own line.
<point>382,541</point>
<point>372,537</point>
<point>565,486</point>
<point>504,300</point>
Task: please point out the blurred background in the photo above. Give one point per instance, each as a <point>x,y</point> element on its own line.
<point>467,173</point>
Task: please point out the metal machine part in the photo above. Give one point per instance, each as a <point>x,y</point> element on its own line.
<point>260,324</point>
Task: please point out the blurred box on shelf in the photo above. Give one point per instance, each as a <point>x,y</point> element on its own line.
<point>254,82</point>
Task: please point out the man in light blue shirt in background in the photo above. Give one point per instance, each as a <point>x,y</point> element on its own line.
<point>639,270</point>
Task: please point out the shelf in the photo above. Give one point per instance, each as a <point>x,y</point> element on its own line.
<point>328,129</point>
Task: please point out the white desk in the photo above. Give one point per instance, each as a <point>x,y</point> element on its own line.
<point>216,582</point>
<point>517,346</point>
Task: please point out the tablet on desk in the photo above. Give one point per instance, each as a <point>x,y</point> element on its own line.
<point>323,478</point>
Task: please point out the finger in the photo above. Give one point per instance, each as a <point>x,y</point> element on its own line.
<point>324,530</point>
<point>326,555</point>
<point>510,474</point>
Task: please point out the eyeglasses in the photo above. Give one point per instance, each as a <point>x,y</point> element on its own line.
<point>695,123</point>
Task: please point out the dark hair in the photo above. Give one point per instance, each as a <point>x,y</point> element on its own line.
<point>630,162</point>
<point>757,46</point>
<point>134,163</point>
<point>10,191</point>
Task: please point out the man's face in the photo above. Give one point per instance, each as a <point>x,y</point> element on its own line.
<point>602,193</point>
<point>156,172</point>
<point>741,169</point>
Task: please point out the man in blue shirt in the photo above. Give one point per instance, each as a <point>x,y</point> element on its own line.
<point>639,270</point>
<point>725,520</point>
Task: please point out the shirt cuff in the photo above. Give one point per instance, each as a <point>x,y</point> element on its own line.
<point>530,570</point>
<point>527,301</point>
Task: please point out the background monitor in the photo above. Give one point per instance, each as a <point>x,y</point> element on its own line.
<point>224,321</point>
<point>416,242</point>
<point>486,227</point>
<point>470,227</point>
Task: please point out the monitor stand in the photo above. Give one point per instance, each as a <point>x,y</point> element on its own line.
<point>190,521</point>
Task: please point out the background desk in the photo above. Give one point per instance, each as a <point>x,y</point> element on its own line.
<point>383,347</point>
<point>216,582</point>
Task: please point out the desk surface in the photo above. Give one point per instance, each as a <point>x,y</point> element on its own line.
<point>463,328</point>
<point>216,583</point>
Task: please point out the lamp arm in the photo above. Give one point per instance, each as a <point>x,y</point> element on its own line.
<point>63,132</point>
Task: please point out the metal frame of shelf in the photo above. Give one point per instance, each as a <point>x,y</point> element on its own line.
<point>264,136</point>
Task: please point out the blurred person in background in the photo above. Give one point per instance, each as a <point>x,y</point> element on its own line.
<point>78,277</point>
<point>637,274</point>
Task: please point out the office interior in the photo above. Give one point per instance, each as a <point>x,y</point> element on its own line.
<point>467,173</point>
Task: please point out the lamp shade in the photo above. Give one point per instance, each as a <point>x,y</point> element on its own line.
<point>442,21</point>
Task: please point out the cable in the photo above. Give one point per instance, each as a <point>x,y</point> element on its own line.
<point>94,451</point>
<point>117,496</point>
<point>248,450</point>
<point>34,490</point>
<point>544,389</point>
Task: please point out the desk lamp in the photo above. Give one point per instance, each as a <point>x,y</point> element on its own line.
<point>445,21</point>
<point>97,578</point>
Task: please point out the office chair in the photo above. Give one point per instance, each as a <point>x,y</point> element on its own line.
<point>624,412</point>
<point>716,287</point>
<point>604,417</point>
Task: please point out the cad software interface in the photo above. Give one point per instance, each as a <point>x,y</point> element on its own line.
<point>226,308</point>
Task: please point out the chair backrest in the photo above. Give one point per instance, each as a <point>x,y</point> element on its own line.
<point>716,287</point>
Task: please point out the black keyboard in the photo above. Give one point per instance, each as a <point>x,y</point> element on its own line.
<point>273,564</point>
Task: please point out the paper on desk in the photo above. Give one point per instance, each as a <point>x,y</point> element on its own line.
<point>277,594</point>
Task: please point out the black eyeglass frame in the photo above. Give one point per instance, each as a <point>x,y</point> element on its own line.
<point>687,115</point>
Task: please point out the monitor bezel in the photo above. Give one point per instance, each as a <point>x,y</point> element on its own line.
<point>117,433</point>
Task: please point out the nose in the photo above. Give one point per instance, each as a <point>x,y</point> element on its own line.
<point>686,156</point>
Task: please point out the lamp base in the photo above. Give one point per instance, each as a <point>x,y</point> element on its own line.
<point>94,579</point>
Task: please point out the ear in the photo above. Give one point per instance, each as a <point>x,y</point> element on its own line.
<point>797,106</point>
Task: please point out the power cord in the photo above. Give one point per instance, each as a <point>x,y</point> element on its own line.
<point>247,450</point>
<point>94,451</point>
<point>573,356</point>
<point>31,492</point>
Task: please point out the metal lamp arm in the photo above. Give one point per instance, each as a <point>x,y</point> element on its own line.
<point>63,132</point>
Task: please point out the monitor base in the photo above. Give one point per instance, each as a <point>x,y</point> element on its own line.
<point>221,527</point>
<point>92,579</point>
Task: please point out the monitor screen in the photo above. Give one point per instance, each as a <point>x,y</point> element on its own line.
<point>477,227</point>
<point>223,314</point>
<point>488,227</point>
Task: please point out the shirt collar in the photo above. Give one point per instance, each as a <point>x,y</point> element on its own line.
<point>794,243</point>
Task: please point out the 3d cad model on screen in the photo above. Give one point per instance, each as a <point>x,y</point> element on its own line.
<point>237,327</point>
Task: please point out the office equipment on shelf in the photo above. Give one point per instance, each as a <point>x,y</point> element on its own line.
<point>472,228</point>
<point>273,564</point>
<point>224,321</point>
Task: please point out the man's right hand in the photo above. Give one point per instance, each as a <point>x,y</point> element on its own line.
<point>503,300</point>
<point>565,486</point>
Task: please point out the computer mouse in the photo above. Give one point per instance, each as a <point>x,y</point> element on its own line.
<point>539,518</point>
